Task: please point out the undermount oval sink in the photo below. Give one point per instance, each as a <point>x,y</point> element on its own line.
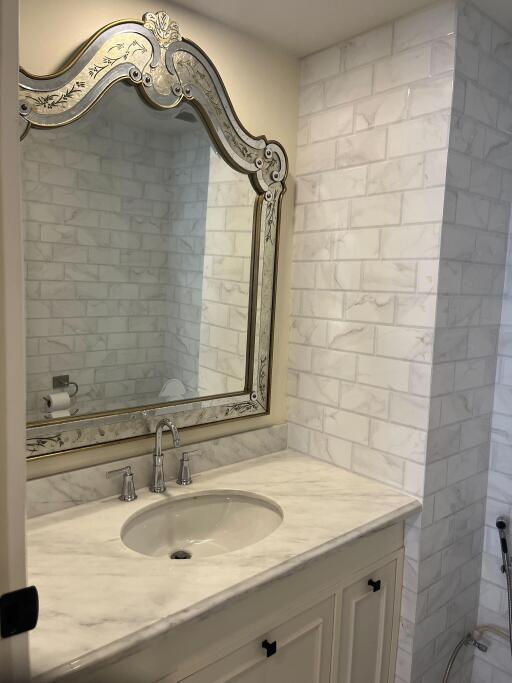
<point>201,525</point>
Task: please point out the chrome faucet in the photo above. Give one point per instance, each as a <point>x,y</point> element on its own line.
<point>158,479</point>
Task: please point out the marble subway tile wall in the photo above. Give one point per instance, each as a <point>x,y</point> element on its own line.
<point>470,288</point>
<point>398,269</point>
<point>486,70</point>
<point>372,154</point>
<point>401,235</point>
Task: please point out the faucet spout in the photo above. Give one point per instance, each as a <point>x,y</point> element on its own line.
<point>158,479</point>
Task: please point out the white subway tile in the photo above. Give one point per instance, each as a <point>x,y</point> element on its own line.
<point>423,206</point>
<point>402,68</point>
<point>405,342</point>
<point>376,210</point>
<point>311,99</point>
<point>365,400</point>
<point>345,336</point>
<point>369,307</point>
<point>494,75</point>
<point>406,442</point>
<point>346,425</point>
<point>316,157</point>
<point>305,413</point>
<point>424,26</point>
<point>322,304</point>
<point>368,47</point>
<point>332,123</point>
<point>349,86</point>
<point>346,275</point>
<point>323,390</point>
<point>474,26</point>
<point>332,449</point>
<point>383,372</point>
<point>412,241</point>
<point>416,310</point>
<point>409,410</point>
<point>430,95</point>
<point>350,182</point>
<point>405,173</point>
<point>443,55</point>
<point>334,364</point>
<point>321,65</point>
<point>330,215</point>
<point>419,135</point>
<point>480,104</point>
<point>361,148</point>
<point>467,58</point>
<point>356,244</point>
<point>391,276</point>
<point>377,465</point>
<point>312,246</point>
<point>379,110</point>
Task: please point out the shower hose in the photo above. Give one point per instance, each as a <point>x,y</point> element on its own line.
<point>473,638</point>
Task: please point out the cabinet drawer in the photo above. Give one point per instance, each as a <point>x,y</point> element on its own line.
<point>302,653</point>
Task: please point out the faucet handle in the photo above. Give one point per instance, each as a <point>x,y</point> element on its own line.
<point>184,476</point>
<point>128,493</point>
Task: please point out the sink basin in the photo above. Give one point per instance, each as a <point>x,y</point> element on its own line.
<point>201,525</point>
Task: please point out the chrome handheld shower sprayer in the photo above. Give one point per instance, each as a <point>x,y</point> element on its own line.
<point>474,637</point>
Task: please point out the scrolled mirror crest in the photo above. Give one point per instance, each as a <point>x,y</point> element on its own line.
<point>165,30</point>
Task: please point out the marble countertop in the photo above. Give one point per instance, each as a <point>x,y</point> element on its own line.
<point>98,597</point>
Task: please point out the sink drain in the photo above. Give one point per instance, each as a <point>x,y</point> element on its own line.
<point>180,555</point>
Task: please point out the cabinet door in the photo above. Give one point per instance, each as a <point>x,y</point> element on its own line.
<point>303,653</point>
<point>366,627</point>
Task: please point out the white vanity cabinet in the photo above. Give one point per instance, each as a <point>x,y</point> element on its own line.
<point>302,649</point>
<point>333,618</point>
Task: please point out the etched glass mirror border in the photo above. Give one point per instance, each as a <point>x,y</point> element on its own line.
<point>168,72</point>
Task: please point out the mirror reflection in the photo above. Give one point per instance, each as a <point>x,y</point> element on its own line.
<point>138,241</point>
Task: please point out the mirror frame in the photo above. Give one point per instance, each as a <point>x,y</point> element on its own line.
<point>166,69</point>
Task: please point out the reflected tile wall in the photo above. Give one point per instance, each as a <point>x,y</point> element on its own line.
<point>115,230</point>
<point>137,251</point>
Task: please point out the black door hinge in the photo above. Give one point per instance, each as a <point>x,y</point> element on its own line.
<point>19,611</point>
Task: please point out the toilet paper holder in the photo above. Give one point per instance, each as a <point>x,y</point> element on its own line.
<point>63,382</point>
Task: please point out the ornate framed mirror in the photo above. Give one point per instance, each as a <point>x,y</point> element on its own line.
<point>151,220</point>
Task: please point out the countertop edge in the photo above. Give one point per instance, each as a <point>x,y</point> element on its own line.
<point>138,639</point>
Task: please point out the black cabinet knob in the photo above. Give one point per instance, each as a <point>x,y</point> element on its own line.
<point>271,648</point>
<point>375,585</point>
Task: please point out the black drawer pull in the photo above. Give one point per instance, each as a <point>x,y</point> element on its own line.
<point>271,648</point>
<point>375,585</point>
